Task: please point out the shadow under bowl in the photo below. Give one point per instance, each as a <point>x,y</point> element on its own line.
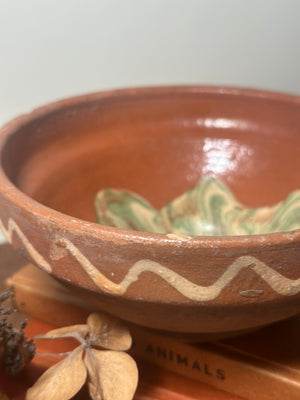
<point>157,142</point>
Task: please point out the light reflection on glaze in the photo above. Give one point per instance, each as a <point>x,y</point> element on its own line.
<point>219,123</point>
<point>222,123</point>
<point>222,155</point>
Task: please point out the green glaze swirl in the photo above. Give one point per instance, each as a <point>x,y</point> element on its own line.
<point>209,209</point>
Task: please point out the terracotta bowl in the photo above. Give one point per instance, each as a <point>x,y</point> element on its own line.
<point>157,142</point>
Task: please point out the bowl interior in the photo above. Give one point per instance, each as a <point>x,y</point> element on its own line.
<point>157,143</point>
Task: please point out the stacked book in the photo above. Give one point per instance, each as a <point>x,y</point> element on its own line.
<point>262,365</point>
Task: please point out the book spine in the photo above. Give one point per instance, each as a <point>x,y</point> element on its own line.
<point>229,370</point>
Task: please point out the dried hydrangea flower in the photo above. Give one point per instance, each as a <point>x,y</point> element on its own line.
<point>110,373</point>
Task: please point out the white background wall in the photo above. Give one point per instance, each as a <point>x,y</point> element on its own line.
<point>56,48</point>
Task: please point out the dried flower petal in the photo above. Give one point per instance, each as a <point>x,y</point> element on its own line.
<point>112,375</point>
<point>108,332</point>
<point>75,331</point>
<point>61,381</point>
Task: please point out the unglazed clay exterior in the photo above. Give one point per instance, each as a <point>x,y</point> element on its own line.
<point>157,142</point>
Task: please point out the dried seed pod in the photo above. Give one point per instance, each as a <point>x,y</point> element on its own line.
<point>15,350</point>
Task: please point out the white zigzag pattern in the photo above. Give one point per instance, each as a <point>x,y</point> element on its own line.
<point>190,290</point>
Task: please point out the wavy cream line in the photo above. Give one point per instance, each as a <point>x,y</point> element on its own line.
<point>36,256</point>
<point>190,290</point>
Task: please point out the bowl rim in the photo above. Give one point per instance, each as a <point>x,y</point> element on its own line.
<point>77,225</point>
